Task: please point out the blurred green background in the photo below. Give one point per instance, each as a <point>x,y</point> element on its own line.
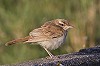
<point>19,17</point>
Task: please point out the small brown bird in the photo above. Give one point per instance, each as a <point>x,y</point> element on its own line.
<point>50,35</point>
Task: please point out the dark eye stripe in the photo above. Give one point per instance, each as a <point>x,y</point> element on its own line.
<point>62,24</point>
<point>66,22</point>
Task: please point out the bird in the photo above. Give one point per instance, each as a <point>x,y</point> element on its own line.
<point>51,35</point>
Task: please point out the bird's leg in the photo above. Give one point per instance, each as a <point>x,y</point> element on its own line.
<point>50,54</point>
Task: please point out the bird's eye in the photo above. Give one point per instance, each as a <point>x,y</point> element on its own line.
<point>62,24</point>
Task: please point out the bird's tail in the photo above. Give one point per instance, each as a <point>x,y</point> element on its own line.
<point>18,40</point>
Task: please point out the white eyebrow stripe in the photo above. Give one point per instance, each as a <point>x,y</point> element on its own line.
<point>61,22</point>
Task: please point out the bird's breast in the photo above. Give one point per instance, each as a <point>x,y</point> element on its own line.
<point>53,43</point>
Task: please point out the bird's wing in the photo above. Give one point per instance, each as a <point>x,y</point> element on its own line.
<point>46,32</point>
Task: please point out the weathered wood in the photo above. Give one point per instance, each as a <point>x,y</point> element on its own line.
<point>85,57</point>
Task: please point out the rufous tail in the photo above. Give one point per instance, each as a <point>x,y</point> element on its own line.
<point>18,40</point>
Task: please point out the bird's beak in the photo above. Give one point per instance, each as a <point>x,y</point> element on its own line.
<point>70,26</point>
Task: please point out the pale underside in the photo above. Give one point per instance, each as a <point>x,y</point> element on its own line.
<point>49,36</point>
<point>53,43</point>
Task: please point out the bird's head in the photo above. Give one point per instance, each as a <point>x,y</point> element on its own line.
<point>63,23</point>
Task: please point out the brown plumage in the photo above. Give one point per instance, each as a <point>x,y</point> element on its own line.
<point>18,40</point>
<point>50,35</point>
